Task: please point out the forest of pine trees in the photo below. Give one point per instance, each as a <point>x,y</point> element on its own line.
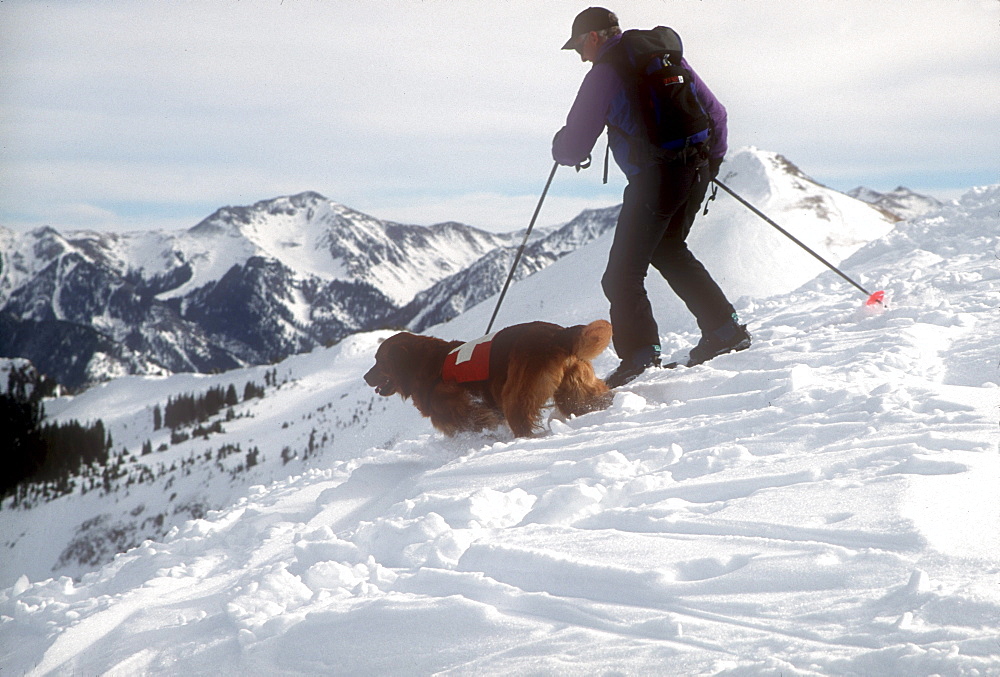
<point>50,455</point>
<point>189,409</point>
<point>39,452</point>
<point>186,410</point>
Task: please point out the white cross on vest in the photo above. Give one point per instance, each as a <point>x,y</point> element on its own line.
<point>464,351</point>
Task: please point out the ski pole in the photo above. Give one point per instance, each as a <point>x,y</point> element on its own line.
<point>520,249</point>
<point>877,297</point>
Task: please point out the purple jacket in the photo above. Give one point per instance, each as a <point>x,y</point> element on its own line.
<point>602,101</point>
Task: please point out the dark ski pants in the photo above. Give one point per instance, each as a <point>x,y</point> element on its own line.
<point>660,204</point>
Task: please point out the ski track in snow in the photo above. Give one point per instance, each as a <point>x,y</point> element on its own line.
<point>824,503</point>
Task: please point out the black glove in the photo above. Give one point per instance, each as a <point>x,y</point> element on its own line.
<point>713,167</point>
<point>555,140</point>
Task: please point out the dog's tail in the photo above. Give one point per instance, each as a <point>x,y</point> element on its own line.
<point>587,341</point>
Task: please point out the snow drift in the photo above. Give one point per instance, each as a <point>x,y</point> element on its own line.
<point>824,503</point>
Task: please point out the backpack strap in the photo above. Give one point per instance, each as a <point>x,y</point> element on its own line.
<point>607,154</point>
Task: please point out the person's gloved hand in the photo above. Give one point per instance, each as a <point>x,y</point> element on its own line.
<point>555,142</point>
<point>713,167</point>
<point>584,164</point>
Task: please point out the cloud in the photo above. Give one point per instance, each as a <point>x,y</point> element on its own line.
<point>387,106</point>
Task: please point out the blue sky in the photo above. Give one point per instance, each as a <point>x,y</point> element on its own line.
<point>126,115</point>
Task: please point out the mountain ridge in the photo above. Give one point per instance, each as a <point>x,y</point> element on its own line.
<point>257,283</point>
<point>901,202</point>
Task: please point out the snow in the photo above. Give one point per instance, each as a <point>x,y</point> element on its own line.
<point>747,257</point>
<point>822,504</point>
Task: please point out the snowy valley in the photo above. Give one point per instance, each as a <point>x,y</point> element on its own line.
<point>822,504</point>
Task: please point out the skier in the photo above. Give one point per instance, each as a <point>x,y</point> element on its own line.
<point>663,195</point>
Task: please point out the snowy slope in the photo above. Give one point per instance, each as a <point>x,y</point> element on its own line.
<point>829,222</point>
<point>823,503</point>
<point>748,258</point>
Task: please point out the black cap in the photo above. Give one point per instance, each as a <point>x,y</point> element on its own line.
<point>590,19</point>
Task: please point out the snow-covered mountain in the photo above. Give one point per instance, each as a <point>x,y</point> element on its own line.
<point>309,234</point>
<point>900,202</point>
<point>252,285</point>
<point>248,285</point>
<point>454,295</point>
<point>747,257</point>
<point>823,503</point>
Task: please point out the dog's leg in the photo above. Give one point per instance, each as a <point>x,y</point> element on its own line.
<point>580,391</point>
<point>529,386</point>
<point>452,409</point>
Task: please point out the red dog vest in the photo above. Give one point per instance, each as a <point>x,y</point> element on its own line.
<point>469,362</point>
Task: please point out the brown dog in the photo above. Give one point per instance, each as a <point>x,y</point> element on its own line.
<point>508,376</point>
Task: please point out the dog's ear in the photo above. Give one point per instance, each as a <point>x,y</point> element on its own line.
<point>394,352</point>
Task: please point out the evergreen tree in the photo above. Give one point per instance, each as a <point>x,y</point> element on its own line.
<point>26,450</point>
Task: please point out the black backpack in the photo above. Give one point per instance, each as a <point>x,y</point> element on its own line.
<point>671,116</point>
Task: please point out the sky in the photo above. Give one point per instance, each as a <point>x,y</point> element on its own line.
<point>131,115</point>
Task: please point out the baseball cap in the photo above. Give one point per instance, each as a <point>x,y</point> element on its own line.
<point>590,19</point>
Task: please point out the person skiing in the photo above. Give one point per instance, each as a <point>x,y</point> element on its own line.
<point>664,192</point>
